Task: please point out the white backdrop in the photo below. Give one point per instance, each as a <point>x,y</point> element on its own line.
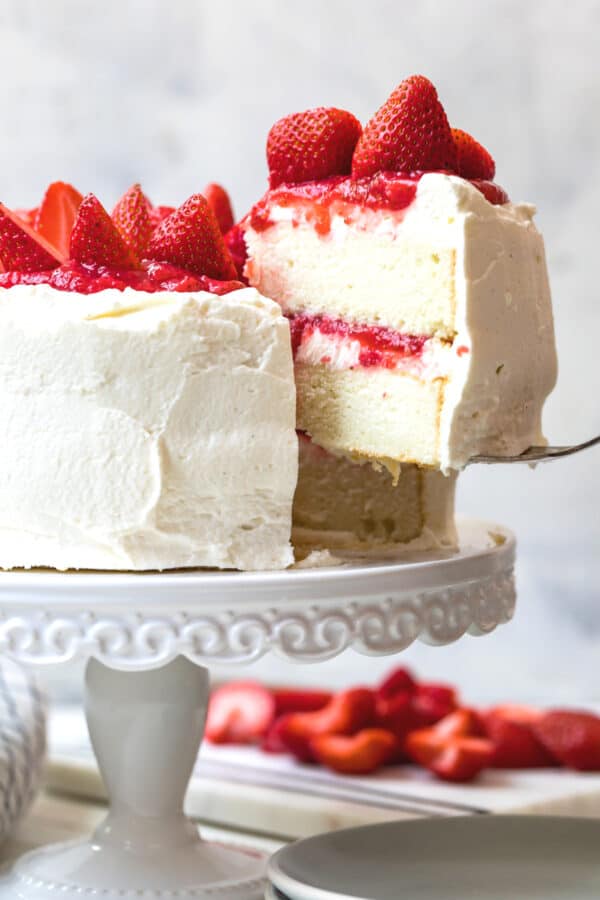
<point>179,93</point>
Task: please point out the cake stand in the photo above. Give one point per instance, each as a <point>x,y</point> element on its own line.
<point>149,640</point>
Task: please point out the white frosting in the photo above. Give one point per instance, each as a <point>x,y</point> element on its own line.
<point>451,266</point>
<point>145,431</point>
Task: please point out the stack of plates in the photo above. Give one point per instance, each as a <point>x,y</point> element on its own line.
<point>483,857</point>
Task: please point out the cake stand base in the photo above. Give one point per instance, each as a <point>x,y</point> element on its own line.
<point>146,729</point>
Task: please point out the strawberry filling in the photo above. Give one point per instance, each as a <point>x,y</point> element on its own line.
<point>85,278</point>
<point>341,195</point>
<point>377,346</point>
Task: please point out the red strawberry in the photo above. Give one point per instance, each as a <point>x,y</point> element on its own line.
<point>398,681</point>
<point>191,239</point>
<point>236,244</point>
<point>239,713</point>
<point>158,213</point>
<point>357,754</point>
<point>131,215</point>
<point>459,759</point>
<point>572,738</point>
<point>21,249</point>
<point>272,741</point>
<point>473,160</point>
<point>432,702</point>
<point>27,215</point>
<point>56,214</point>
<point>492,192</point>
<point>289,700</point>
<point>219,202</point>
<point>95,239</point>
<point>515,744</point>
<point>310,145</point>
<point>346,713</point>
<point>409,133</point>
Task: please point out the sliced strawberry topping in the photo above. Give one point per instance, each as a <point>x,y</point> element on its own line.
<point>95,239</point>
<point>21,249</point>
<point>158,213</point>
<point>239,713</point>
<point>572,738</point>
<point>56,214</point>
<point>236,244</point>
<point>191,238</point>
<point>473,160</point>
<point>492,192</point>
<point>357,754</point>
<point>409,133</point>
<point>131,215</point>
<point>310,145</point>
<point>219,202</point>
<point>27,215</point>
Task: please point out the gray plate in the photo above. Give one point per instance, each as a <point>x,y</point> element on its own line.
<point>483,857</point>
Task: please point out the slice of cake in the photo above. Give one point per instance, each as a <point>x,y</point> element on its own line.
<point>417,294</point>
<point>342,505</point>
<point>147,403</point>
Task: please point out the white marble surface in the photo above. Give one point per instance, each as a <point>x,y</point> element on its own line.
<point>176,94</point>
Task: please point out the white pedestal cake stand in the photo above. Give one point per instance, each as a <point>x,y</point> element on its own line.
<point>149,639</point>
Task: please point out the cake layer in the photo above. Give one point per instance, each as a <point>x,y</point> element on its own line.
<point>450,266</point>
<point>145,431</point>
<point>341,505</point>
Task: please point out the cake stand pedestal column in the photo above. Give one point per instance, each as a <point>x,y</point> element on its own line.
<point>146,729</point>
<point>149,640</point>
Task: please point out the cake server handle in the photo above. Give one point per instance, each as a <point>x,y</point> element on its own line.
<point>538,454</point>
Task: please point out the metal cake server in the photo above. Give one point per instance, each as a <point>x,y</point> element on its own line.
<point>538,454</point>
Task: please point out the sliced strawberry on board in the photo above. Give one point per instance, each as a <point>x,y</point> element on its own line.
<point>432,702</point>
<point>239,713</point>
<point>220,203</point>
<point>272,741</point>
<point>95,239</point>
<point>473,160</point>
<point>311,145</point>
<point>346,713</point>
<point>21,249</point>
<point>357,754</point>
<point>515,744</point>
<point>409,133</point>
<point>289,700</point>
<point>56,214</point>
<point>191,239</point>
<point>572,738</point>
<point>400,680</point>
<point>131,215</point>
<point>462,759</point>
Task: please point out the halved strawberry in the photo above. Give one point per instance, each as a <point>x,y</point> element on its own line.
<point>572,738</point>
<point>236,244</point>
<point>432,702</point>
<point>357,754</point>
<point>346,713</point>
<point>492,192</point>
<point>56,214</point>
<point>461,759</point>
<point>95,239</point>
<point>21,249</point>
<point>400,680</point>
<point>219,202</point>
<point>191,239</point>
<point>310,145</point>
<point>239,713</point>
<point>131,215</point>
<point>289,700</point>
<point>27,215</point>
<point>515,744</point>
<point>473,160</point>
<point>409,133</point>
<point>158,213</point>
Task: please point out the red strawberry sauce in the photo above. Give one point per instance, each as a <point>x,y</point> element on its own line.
<point>380,346</point>
<point>386,190</point>
<point>88,279</point>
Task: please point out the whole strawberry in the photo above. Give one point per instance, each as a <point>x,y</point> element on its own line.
<point>409,133</point>
<point>131,215</point>
<point>95,239</point>
<point>473,160</point>
<point>310,145</point>
<point>219,202</point>
<point>191,239</point>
